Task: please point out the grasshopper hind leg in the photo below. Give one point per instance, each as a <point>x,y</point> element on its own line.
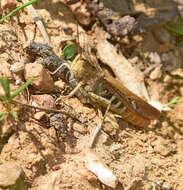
<point>75,90</point>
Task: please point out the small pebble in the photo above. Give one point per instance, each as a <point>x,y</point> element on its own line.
<point>10,173</point>
<point>165,124</point>
<point>166,186</point>
<point>167,79</point>
<point>5,69</point>
<point>39,115</point>
<point>8,4</point>
<point>155,58</point>
<point>17,67</point>
<point>42,78</point>
<point>163,147</point>
<point>44,100</point>
<point>156,73</point>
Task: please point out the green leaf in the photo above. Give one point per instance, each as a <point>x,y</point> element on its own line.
<point>173,102</point>
<point>5,83</point>
<point>2,116</point>
<point>177,28</point>
<point>14,114</point>
<point>2,98</point>
<point>70,51</point>
<point>21,88</point>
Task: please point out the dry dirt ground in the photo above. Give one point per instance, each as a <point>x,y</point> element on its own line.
<point>150,158</point>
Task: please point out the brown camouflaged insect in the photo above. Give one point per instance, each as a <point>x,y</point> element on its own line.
<point>105,90</point>
<point>97,85</point>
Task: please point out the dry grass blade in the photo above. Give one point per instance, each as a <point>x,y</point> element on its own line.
<point>31,10</point>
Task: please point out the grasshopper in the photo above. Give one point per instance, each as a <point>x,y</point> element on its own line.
<point>105,90</point>
<point>97,85</point>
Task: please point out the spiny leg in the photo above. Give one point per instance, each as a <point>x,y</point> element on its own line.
<point>98,128</point>
<point>61,68</point>
<point>73,92</point>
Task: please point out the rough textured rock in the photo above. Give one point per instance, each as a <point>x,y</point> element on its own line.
<point>5,69</point>
<point>178,111</point>
<point>7,4</point>
<point>43,80</point>
<point>44,100</point>
<point>156,73</point>
<point>12,176</point>
<point>163,147</point>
